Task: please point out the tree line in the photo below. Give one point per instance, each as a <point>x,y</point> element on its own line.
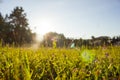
<point>62,41</point>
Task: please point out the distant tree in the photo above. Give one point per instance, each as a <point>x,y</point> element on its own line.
<point>60,40</point>
<point>115,40</point>
<point>92,37</point>
<point>50,37</point>
<point>80,42</point>
<point>105,40</point>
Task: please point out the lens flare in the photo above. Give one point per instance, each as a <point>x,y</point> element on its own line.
<point>72,45</point>
<point>87,56</point>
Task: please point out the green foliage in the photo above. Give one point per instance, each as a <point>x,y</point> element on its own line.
<point>59,64</point>
<point>14,28</point>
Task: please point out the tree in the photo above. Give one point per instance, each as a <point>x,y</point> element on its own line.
<point>1,27</point>
<point>50,37</point>
<point>60,40</point>
<point>21,32</point>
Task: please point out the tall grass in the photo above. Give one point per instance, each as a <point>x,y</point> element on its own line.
<point>59,64</point>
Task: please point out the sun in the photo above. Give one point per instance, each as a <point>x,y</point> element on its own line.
<point>45,25</point>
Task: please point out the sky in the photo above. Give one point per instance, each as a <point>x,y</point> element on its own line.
<point>73,18</point>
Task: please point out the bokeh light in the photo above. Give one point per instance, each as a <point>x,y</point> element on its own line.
<point>88,56</point>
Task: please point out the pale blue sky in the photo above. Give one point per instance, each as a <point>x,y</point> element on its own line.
<point>73,18</point>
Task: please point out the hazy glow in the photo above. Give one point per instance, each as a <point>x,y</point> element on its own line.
<point>43,26</point>
<point>39,38</point>
<point>87,56</point>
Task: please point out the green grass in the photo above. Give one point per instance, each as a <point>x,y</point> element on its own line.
<point>59,64</point>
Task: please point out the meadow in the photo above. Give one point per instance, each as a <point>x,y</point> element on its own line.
<point>60,63</point>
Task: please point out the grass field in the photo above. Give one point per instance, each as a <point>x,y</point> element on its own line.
<point>60,64</point>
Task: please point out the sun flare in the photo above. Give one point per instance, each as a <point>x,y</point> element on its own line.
<point>45,26</point>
